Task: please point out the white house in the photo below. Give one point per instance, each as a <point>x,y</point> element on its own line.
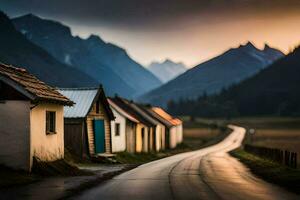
<point>123,128</point>
<point>31,119</point>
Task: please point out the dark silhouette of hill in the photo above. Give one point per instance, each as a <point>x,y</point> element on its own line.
<point>105,62</point>
<point>220,72</point>
<point>15,49</point>
<point>274,91</point>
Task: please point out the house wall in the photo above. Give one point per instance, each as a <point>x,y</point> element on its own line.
<point>172,137</point>
<point>90,129</point>
<point>160,137</point>
<point>74,134</point>
<point>151,139</point>
<point>15,134</point>
<point>43,146</point>
<point>130,136</point>
<point>118,142</point>
<point>179,133</point>
<point>141,142</point>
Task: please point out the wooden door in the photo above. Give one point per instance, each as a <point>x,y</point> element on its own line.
<point>99,136</point>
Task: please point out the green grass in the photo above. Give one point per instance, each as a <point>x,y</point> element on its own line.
<point>128,158</point>
<point>141,158</point>
<point>270,171</point>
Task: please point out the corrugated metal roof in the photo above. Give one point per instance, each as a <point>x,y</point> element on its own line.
<point>83,98</point>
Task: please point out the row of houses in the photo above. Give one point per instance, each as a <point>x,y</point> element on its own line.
<point>39,121</point>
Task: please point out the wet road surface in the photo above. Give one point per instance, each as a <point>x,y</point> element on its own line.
<point>209,173</point>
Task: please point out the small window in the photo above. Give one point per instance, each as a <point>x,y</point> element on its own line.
<point>97,107</point>
<point>117,129</point>
<point>50,122</point>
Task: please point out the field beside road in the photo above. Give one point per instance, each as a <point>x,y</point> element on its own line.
<point>199,134</point>
<point>273,132</point>
<point>282,133</point>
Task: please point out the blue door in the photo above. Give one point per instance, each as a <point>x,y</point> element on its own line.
<point>99,136</point>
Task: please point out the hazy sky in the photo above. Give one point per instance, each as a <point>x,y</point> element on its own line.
<point>190,31</point>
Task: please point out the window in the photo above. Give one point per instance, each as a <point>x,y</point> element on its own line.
<point>117,129</point>
<point>50,122</point>
<point>97,107</point>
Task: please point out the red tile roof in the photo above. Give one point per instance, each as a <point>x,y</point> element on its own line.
<point>39,90</point>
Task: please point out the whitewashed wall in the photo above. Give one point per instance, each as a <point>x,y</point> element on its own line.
<point>15,134</point>
<point>141,143</point>
<point>47,147</point>
<point>173,137</point>
<point>118,142</point>
<point>179,133</point>
<point>160,132</point>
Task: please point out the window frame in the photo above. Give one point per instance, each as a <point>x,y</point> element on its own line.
<point>50,122</point>
<point>117,129</point>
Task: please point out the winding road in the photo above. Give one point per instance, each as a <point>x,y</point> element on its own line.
<point>210,173</point>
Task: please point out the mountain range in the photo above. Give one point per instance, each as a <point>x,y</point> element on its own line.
<point>166,70</point>
<point>104,62</point>
<point>16,50</point>
<point>212,76</point>
<point>272,92</point>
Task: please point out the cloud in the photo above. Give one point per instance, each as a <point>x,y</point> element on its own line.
<point>146,13</point>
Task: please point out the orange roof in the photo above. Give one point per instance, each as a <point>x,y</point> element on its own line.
<point>167,116</point>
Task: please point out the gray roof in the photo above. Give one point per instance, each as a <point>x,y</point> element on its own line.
<point>83,98</point>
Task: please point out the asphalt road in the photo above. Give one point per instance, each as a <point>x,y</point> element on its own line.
<point>208,173</point>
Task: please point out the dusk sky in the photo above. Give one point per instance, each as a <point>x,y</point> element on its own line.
<point>186,31</point>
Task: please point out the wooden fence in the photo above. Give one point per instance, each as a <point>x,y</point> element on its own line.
<point>280,156</point>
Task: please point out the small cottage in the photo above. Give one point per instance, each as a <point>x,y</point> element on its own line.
<point>160,129</point>
<point>31,119</point>
<point>144,128</point>
<point>123,128</point>
<point>155,128</point>
<point>179,130</point>
<point>88,123</point>
<point>174,128</point>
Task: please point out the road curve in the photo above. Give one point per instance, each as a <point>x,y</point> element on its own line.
<point>209,173</point>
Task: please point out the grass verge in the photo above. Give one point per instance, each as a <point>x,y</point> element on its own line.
<point>141,158</point>
<point>270,171</point>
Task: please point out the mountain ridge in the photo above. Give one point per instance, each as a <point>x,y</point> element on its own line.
<point>167,69</point>
<point>105,62</point>
<point>222,71</point>
<point>16,50</point>
<point>274,91</point>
